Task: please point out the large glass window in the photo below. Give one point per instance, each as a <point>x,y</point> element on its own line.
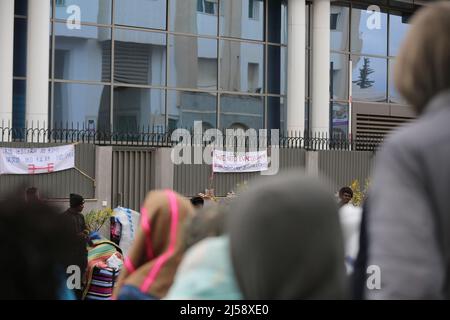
<point>339,25</point>
<point>20,47</point>
<point>141,13</point>
<point>242,66</point>
<point>339,81</point>
<point>139,57</point>
<point>19,97</point>
<point>277,20</point>
<point>277,70</point>
<point>137,109</point>
<point>94,11</point>
<point>241,112</point>
<point>82,54</point>
<point>21,7</point>
<point>394,95</point>
<point>237,21</point>
<point>277,113</point>
<point>194,16</point>
<point>168,63</point>
<point>369,32</point>
<point>81,105</point>
<point>185,108</point>
<point>193,62</point>
<point>369,78</point>
<point>398,28</point>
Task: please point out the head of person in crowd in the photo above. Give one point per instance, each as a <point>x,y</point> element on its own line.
<point>32,194</point>
<point>423,64</point>
<point>206,222</point>
<point>37,248</point>
<point>76,202</point>
<point>198,202</point>
<point>291,248</point>
<point>158,248</point>
<point>205,273</point>
<point>345,196</point>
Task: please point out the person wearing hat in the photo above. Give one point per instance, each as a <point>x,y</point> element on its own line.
<point>74,213</point>
<point>75,220</point>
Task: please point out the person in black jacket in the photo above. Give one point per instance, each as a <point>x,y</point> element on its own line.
<point>75,221</point>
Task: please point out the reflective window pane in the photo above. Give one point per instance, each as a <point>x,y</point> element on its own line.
<point>241,112</point>
<point>95,11</point>
<point>242,66</point>
<point>369,32</point>
<point>242,19</point>
<point>20,47</point>
<point>369,79</point>
<point>339,76</point>
<point>83,54</point>
<point>394,95</point>
<point>398,28</point>
<point>82,105</point>
<point>139,57</point>
<point>193,62</point>
<point>141,13</point>
<point>277,70</point>
<point>276,113</point>
<point>277,19</point>
<point>339,24</point>
<point>21,7</point>
<point>340,122</point>
<point>19,90</point>
<point>193,16</point>
<point>184,108</point>
<point>138,109</point>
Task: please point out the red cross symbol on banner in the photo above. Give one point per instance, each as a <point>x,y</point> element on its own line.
<point>32,168</point>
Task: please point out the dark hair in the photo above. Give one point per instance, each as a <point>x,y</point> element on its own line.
<point>36,248</point>
<point>76,200</point>
<point>196,201</point>
<point>346,190</point>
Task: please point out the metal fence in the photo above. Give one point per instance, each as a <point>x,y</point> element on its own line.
<point>132,176</point>
<point>150,138</point>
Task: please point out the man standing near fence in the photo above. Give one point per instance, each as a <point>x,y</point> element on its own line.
<point>75,219</point>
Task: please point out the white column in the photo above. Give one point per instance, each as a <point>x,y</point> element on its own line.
<point>6,61</point>
<point>320,117</point>
<point>296,66</point>
<point>38,55</point>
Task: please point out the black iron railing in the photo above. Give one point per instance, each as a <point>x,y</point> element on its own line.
<point>150,138</point>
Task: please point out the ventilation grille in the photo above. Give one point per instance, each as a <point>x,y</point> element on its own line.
<point>370,126</point>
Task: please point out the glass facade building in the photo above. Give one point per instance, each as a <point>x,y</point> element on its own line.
<point>125,65</point>
<point>364,43</point>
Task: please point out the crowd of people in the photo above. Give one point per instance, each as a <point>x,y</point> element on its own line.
<point>285,237</point>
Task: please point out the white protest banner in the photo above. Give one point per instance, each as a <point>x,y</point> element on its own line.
<point>36,160</point>
<point>229,162</point>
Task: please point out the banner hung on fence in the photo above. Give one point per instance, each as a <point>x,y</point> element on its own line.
<point>230,162</point>
<point>36,160</point>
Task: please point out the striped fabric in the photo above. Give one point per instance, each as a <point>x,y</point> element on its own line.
<point>101,278</point>
<point>102,284</point>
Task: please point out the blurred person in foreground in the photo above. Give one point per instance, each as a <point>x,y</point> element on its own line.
<point>409,213</point>
<point>205,273</point>
<point>157,250</point>
<point>37,248</point>
<point>291,248</point>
